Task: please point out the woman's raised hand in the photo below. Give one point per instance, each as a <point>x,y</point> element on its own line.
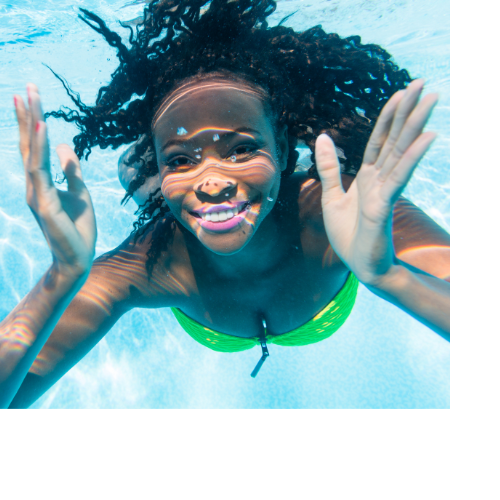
<point>66,218</point>
<point>359,222</point>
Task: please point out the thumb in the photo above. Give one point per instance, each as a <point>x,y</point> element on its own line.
<point>328,167</point>
<point>71,167</point>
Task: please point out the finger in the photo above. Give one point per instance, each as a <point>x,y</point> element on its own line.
<point>38,161</point>
<point>39,167</point>
<point>411,130</point>
<point>22,116</point>
<point>71,167</point>
<point>381,129</point>
<point>328,167</point>
<point>401,174</point>
<point>35,104</point>
<point>405,107</point>
<point>31,88</point>
<point>33,158</point>
<point>22,121</point>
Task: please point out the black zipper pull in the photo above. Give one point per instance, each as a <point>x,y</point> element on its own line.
<point>265,353</point>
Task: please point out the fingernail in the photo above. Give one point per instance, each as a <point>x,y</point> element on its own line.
<point>37,128</point>
<point>15,101</point>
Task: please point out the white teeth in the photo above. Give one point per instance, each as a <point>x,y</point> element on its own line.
<point>222,215</point>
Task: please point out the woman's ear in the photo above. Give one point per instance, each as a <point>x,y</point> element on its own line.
<point>129,170</point>
<point>282,146</point>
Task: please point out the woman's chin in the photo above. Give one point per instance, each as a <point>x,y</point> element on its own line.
<point>226,244</point>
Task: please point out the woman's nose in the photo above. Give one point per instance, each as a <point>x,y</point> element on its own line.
<point>214,186</point>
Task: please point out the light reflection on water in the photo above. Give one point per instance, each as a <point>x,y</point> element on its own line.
<point>380,358</point>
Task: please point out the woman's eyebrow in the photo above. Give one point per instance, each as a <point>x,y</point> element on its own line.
<point>247,130</point>
<point>239,131</point>
<point>174,142</point>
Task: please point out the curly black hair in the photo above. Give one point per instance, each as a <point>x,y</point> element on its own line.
<point>315,82</point>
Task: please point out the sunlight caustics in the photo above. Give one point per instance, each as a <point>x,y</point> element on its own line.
<point>380,357</point>
<point>180,93</point>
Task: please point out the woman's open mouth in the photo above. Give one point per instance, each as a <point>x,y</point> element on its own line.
<point>222,217</point>
<point>221,213</point>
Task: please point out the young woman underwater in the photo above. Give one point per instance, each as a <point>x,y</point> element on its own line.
<point>247,251</point>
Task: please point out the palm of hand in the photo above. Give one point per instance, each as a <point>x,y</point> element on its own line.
<point>359,222</point>
<point>71,230</point>
<point>66,218</point>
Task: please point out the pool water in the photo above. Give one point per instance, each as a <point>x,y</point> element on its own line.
<point>381,357</point>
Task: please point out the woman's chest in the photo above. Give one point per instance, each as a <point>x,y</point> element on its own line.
<point>285,297</point>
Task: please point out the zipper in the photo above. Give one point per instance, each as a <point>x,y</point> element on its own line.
<point>265,352</point>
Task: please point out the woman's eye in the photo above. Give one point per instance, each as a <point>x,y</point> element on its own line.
<point>179,161</point>
<point>243,150</point>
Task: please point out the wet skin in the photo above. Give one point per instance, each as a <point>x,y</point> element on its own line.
<point>274,264</point>
<point>228,157</point>
<point>238,271</point>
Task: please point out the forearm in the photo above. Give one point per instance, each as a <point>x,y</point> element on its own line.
<point>423,296</point>
<point>25,330</point>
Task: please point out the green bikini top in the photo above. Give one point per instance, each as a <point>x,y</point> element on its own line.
<point>322,326</point>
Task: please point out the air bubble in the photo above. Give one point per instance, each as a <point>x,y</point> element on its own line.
<point>270,199</point>
<point>216,137</point>
<point>181,131</point>
<point>233,158</point>
<point>197,150</point>
<point>198,156</point>
<point>59,178</point>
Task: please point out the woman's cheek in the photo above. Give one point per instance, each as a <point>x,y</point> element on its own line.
<point>165,188</point>
<point>259,174</point>
<point>172,188</point>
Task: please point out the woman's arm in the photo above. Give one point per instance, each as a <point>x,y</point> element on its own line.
<point>421,295</point>
<point>117,283</point>
<point>419,242</point>
<point>76,302</point>
<point>67,221</point>
<point>422,251</point>
<point>26,329</point>
<point>358,221</point>
<point>101,301</point>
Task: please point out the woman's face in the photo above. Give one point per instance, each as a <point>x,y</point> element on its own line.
<point>220,162</point>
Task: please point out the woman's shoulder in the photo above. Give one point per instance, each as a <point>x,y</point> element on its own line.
<point>306,191</point>
<point>162,283</point>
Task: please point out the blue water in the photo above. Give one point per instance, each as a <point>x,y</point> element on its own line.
<point>381,358</point>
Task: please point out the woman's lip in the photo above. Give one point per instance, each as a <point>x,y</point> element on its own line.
<point>220,208</point>
<point>225,225</point>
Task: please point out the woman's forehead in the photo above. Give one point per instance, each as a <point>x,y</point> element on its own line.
<point>225,106</point>
<point>206,87</point>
